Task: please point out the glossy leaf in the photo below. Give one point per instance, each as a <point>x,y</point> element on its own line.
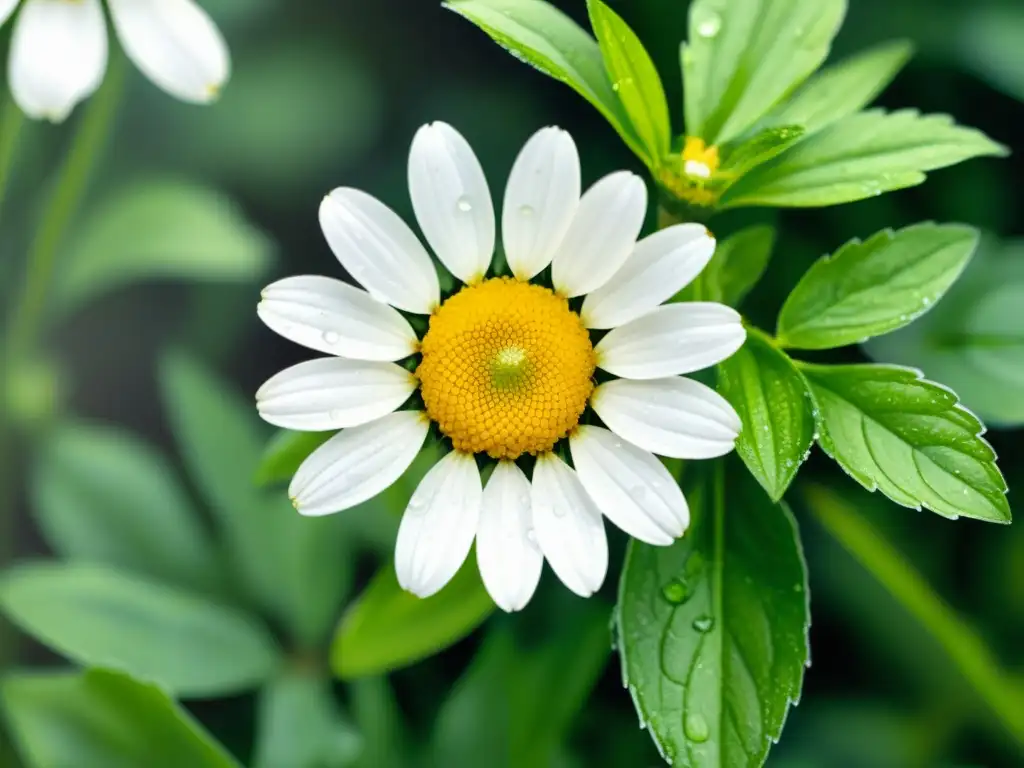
<point>740,158</point>
<point>634,79</point>
<point>744,56</point>
<point>160,229</point>
<point>772,401</point>
<point>301,726</point>
<point>713,630</point>
<point>860,156</point>
<point>98,616</point>
<point>101,719</point>
<point>973,341</point>
<point>538,33</point>
<point>870,288</point>
<point>841,89</point>
<point>910,438</point>
<point>387,628</point>
<point>102,495</point>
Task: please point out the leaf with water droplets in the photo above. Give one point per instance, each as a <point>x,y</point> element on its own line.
<point>910,438</point>
<point>743,56</point>
<point>860,156</point>
<point>634,79</point>
<point>713,676</point>
<point>539,34</point>
<point>870,288</point>
<point>771,398</point>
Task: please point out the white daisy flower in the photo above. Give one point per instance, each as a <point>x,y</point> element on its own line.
<point>59,50</point>
<point>506,367</point>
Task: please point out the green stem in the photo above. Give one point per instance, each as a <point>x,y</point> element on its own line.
<point>964,648</point>
<point>11,120</point>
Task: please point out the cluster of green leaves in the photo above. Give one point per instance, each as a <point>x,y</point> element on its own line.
<point>712,630</point>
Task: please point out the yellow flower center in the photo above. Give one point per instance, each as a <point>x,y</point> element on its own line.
<point>506,368</point>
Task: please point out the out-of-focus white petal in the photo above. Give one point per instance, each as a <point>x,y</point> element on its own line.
<point>673,417</point>
<point>451,199</point>
<point>333,393</point>
<point>602,235</point>
<point>439,524</point>
<point>541,198</point>
<point>673,339</point>
<point>379,250</point>
<point>358,463</point>
<point>58,56</point>
<point>175,44</point>
<point>333,317</point>
<point>659,267</point>
<point>509,560</point>
<point>568,527</point>
<point>629,485</point>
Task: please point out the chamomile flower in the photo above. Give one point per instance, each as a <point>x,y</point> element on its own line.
<point>58,50</point>
<point>567,354</point>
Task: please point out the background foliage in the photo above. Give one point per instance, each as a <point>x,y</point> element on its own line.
<point>138,477</point>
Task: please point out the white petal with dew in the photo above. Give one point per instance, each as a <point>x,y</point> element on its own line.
<point>569,528</point>
<point>506,552</point>
<point>379,250</point>
<point>541,198</point>
<point>673,339</point>
<point>439,524</point>
<point>629,485</point>
<point>358,463</point>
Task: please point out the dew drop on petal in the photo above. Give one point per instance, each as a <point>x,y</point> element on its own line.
<point>526,211</point>
<point>464,204</point>
<point>331,337</point>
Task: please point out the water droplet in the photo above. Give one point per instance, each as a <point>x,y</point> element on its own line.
<point>464,204</point>
<point>336,414</point>
<point>531,536</point>
<point>710,27</point>
<point>330,337</point>
<point>703,623</point>
<point>696,728</point>
<point>615,86</point>
<point>526,211</point>
<point>416,507</point>
<point>676,591</point>
<point>558,511</point>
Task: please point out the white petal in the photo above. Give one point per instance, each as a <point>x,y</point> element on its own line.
<point>602,234</point>
<point>358,463</point>
<point>541,198</point>
<point>569,528</point>
<point>509,560</point>
<point>673,417</point>
<point>629,485</point>
<point>451,199</point>
<point>333,317</point>
<point>6,9</point>
<point>439,524</point>
<point>175,44</point>
<point>379,250</point>
<point>333,393</point>
<point>659,267</point>
<point>674,339</point>
<point>58,56</point>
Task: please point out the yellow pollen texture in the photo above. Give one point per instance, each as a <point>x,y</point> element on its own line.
<point>506,368</point>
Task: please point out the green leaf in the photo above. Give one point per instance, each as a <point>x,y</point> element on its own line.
<point>514,707</point>
<point>387,628</point>
<point>536,32</point>
<point>159,229</point>
<point>867,289</point>
<point>987,41</point>
<point>294,566</point>
<point>381,723</point>
<point>738,159</point>
<point>860,156</point>
<point>910,438</point>
<point>965,649</point>
<point>301,726</point>
<point>285,452</point>
<point>738,264</point>
<point>102,495</point>
<point>841,89</point>
<point>713,630</point>
<point>973,340</point>
<point>635,80</point>
<point>101,719</point>
<point>98,616</point>
<point>744,56</point>
<point>772,401</point>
